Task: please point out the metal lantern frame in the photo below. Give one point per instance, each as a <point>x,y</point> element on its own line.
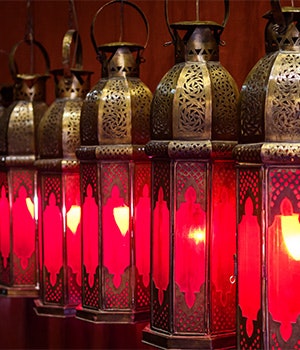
<point>59,187</point>
<point>193,194</point>
<point>268,191</point>
<point>115,185</point>
<point>19,230</point>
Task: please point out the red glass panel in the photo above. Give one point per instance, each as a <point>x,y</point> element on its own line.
<point>283,258</point>
<point>52,234</point>
<point>73,219</point>
<point>4,226</point>
<point>115,234</point>
<point>161,243</point>
<point>249,266</point>
<point>190,240</point>
<point>90,223</point>
<point>23,221</point>
<point>223,246</point>
<point>142,231</point>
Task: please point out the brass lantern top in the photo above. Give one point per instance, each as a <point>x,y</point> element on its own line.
<point>269,102</point>
<point>117,110</point>
<point>59,129</point>
<point>18,139</point>
<point>197,98</point>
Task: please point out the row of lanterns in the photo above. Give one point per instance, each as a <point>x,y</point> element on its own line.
<point>118,207</point>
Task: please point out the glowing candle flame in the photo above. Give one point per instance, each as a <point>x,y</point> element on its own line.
<point>121,216</point>
<point>30,206</point>
<point>73,218</point>
<point>291,235</point>
<point>197,235</point>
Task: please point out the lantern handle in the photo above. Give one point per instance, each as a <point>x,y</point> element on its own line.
<point>12,63</point>
<point>225,20</point>
<point>278,15</point>
<point>70,36</point>
<point>92,32</point>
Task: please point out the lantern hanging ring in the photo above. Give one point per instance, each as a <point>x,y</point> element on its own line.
<point>280,16</point>
<point>12,63</point>
<point>197,21</point>
<point>70,36</point>
<point>122,2</point>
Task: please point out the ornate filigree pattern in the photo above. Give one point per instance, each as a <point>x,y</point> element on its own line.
<point>252,101</point>
<point>224,100</point>
<point>50,130</point>
<point>161,105</point>
<point>191,174</point>
<point>250,153</point>
<point>283,153</point>
<point>71,127</point>
<point>89,115</point>
<point>189,149</point>
<point>256,339</point>
<point>114,174</point>
<point>141,98</point>
<point>22,127</point>
<point>160,313</point>
<point>283,104</point>
<point>113,120</point>
<point>191,105</point>
<point>191,320</point>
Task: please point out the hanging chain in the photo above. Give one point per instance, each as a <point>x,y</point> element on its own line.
<point>121,21</point>
<point>197,10</point>
<point>29,33</point>
<point>73,24</point>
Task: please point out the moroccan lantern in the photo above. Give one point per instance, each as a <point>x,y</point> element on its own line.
<point>115,186</point>
<point>194,130</point>
<point>59,187</point>
<point>268,190</point>
<point>18,192</point>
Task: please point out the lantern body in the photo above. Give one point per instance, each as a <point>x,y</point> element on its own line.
<point>59,191</point>
<point>18,233</point>
<point>268,201</point>
<point>193,198</point>
<point>115,186</point>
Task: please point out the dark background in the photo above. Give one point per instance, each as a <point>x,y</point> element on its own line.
<point>244,36</point>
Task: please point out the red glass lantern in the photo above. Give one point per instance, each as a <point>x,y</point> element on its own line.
<point>59,188</point>
<point>115,186</point>
<point>268,191</point>
<point>18,222</point>
<point>193,196</point>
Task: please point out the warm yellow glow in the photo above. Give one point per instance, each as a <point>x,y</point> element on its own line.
<point>30,206</point>
<point>291,234</point>
<point>121,215</point>
<point>197,235</point>
<point>73,218</point>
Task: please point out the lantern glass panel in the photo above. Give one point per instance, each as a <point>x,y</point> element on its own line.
<point>283,252</point>
<point>223,246</point>
<point>22,183</point>
<point>4,229</point>
<point>249,253</point>
<point>190,246</point>
<point>61,230</point>
<point>115,233</point>
<point>161,237</point>
<point>90,221</point>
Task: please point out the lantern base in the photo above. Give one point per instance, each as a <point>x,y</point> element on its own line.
<point>168,341</point>
<point>42,309</point>
<point>19,292</point>
<point>117,317</point>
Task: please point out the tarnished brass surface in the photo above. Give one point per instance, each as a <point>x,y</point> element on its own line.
<point>22,117</point>
<point>270,97</point>
<point>59,129</point>
<point>117,109</point>
<point>197,98</point>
